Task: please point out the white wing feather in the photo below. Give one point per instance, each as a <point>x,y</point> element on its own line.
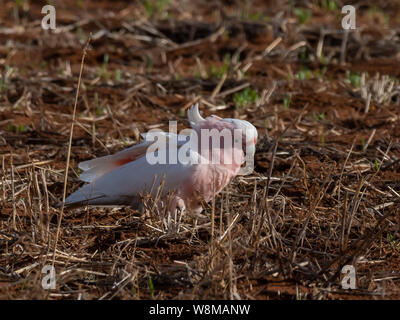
<point>95,168</point>
<point>123,185</point>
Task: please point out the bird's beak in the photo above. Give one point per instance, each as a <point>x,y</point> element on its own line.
<point>250,151</point>
<point>249,160</point>
<point>194,116</point>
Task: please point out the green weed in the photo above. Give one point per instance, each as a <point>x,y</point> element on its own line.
<point>303,15</point>
<point>243,98</point>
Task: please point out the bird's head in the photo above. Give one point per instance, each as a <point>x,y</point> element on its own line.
<point>248,132</point>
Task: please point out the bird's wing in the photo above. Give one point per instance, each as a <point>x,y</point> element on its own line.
<point>125,184</point>
<point>95,168</point>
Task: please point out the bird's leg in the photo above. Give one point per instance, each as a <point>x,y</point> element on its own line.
<point>181,211</point>
<point>195,205</point>
<point>176,209</point>
<point>177,203</point>
<point>138,204</point>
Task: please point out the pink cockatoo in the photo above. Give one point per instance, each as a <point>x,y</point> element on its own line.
<point>123,178</point>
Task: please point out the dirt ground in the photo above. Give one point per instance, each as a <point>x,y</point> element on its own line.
<point>325,192</point>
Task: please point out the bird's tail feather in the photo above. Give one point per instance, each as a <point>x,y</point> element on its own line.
<point>84,196</point>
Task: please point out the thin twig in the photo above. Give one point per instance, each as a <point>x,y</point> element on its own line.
<point>69,148</point>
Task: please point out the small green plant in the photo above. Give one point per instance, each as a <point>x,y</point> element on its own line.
<point>324,60</point>
<point>253,16</point>
<point>43,65</point>
<point>299,297</point>
<point>151,286</point>
<point>304,73</point>
<point>330,5</point>
<point>22,4</point>
<point>219,71</point>
<point>157,7</point>
<point>395,244</point>
<point>303,15</point>
<point>256,16</point>
<point>83,85</point>
<point>322,140</point>
<point>197,74</point>
<point>118,75</point>
<point>24,281</point>
<point>287,99</point>
<point>16,128</point>
<point>9,46</point>
<point>315,116</point>
<point>103,73</point>
<point>99,110</point>
<point>177,76</point>
<point>149,64</point>
<point>243,98</point>
<point>303,54</point>
<point>320,73</point>
<point>353,78</point>
<point>318,116</point>
<point>81,35</point>
<point>90,278</point>
<point>2,84</point>
<point>376,164</point>
<point>363,143</point>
